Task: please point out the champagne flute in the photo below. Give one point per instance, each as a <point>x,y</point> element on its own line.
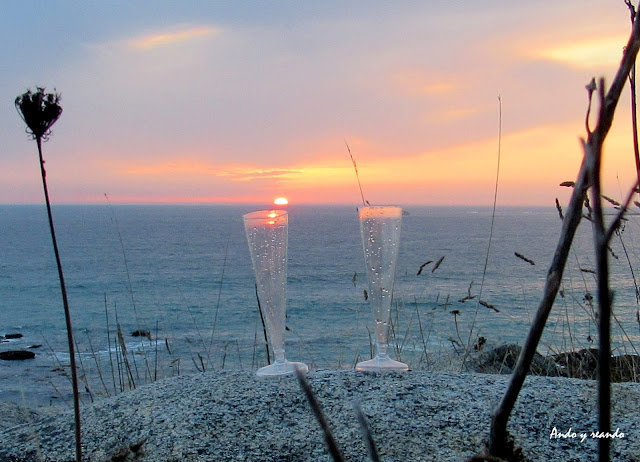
<point>380,231</point>
<point>267,235</point>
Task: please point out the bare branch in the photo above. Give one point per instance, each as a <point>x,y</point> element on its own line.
<point>592,148</point>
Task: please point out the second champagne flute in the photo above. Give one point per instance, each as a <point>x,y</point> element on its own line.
<point>380,232</point>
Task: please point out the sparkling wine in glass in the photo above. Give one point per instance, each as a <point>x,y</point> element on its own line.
<point>267,235</point>
<point>380,231</point>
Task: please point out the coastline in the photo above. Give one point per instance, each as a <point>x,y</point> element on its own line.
<point>414,416</point>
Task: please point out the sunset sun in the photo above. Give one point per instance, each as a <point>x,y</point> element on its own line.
<point>281,201</point>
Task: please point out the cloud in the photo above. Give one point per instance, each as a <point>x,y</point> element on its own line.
<point>191,168</point>
<point>181,35</point>
<point>244,174</point>
<point>586,54</point>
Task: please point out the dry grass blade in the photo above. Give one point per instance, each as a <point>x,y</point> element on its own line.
<point>620,216</point>
<point>611,201</point>
<point>125,260</point>
<point>264,326</point>
<point>422,267</point>
<point>113,374</point>
<point>355,167</point>
<point>99,369</point>
<point>522,257</point>
<point>559,209</point>
<point>368,437</point>
<point>489,305</point>
<point>468,296</point>
<point>437,265</point>
<point>317,411</point>
<point>125,358</point>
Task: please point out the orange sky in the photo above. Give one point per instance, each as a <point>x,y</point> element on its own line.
<point>231,103</point>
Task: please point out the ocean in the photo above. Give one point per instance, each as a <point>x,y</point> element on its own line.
<point>183,273</point>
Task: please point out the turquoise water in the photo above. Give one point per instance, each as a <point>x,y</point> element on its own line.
<point>184,273</point>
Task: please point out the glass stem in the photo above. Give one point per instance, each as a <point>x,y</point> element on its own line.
<point>279,354</point>
<point>382,349</point>
<point>382,334</point>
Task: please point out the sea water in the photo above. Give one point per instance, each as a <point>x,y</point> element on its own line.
<point>183,273</point>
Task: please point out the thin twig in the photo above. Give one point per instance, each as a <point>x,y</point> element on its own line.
<point>493,216</point>
<point>634,106</point>
<point>264,327</point>
<point>317,411</point>
<point>368,437</point>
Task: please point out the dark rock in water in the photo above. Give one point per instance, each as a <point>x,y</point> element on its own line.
<point>625,368</point>
<point>141,333</point>
<point>502,360</point>
<point>13,336</point>
<point>581,364</point>
<point>17,355</point>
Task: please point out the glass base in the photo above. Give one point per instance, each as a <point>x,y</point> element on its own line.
<point>281,368</point>
<point>381,363</point>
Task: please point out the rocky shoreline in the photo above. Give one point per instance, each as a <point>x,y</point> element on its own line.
<point>414,416</point>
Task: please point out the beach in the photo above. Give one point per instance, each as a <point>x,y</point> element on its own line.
<point>413,416</point>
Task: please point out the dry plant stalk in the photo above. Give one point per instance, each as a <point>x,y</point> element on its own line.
<point>588,173</point>
<point>355,167</point>
<point>40,110</point>
<point>336,455</point>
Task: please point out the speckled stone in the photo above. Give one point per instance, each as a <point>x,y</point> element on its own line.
<point>414,416</point>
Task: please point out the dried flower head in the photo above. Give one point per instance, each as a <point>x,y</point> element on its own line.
<point>39,110</point>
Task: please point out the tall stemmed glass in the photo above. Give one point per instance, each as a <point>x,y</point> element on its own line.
<point>380,231</point>
<point>267,234</point>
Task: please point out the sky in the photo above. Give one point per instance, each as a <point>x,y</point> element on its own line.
<point>238,101</point>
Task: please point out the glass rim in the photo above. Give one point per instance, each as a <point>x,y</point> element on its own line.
<point>377,210</point>
<point>265,214</point>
